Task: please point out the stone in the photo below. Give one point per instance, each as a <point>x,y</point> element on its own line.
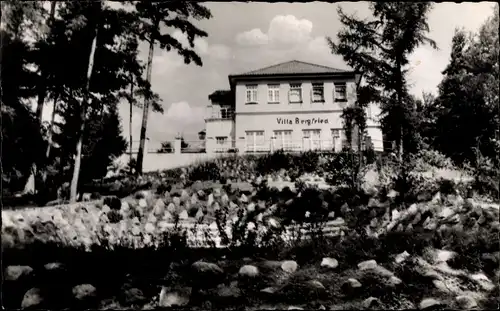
<point>350,285</point>
<point>176,201</point>
<point>136,230</point>
<point>251,208</point>
<point>400,258</point>
<point>444,255</point>
<point>337,222</point>
<point>367,265</point>
<point>248,271</point>
<point>446,212</point>
<point>150,228</point>
<point>428,303</point>
<point>436,199</point>
<point>171,208</point>
<point>259,218</point>
<point>199,214</point>
<point>483,281</point>
<point>289,266</point>
<point>206,273</point>
<point>210,199</point>
<point>466,302</point>
<point>143,203</point>
<point>331,215</point>
<point>133,296</point>
<point>243,198</point>
<point>183,215</point>
<point>371,302</point>
<point>32,298</point>
<point>251,226</point>
<point>184,195</point>
<point>270,290</point>
<point>394,281</point>
<point>177,298</point>
<point>224,200</point>
<point>159,208</point>
<point>14,273</point>
<point>294,308</point>
<point>84,291</point>
<point>331,263</point>
<point>231,291</point>
<point>105,209</point>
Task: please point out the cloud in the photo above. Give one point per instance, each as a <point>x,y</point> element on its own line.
<point>283,30</point>
<point>252,37</point>
<point>289,30</point>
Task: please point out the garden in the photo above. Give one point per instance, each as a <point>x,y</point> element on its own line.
<point>277,231</point>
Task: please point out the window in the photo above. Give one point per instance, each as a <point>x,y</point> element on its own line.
<point>255,140</point>
<point>273,93</point>
<point>340,92</point>
<point>226,113</point>
<point>295,95</point>
<point>251,94</point>
<point>312,139</point>
<point>318,96</point>
<point>335,133</point>
<point>283,140</point>
<point>221,140</point>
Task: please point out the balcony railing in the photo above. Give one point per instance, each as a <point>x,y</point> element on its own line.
<point>223,114</point>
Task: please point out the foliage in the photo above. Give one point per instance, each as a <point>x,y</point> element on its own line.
<point>205,171</point>
<point>486,176</point>
<point>380,49</point>
<point>465,114</point>
<point>166,147</point>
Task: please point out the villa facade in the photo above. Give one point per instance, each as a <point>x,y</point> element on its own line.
<point>294,106</point>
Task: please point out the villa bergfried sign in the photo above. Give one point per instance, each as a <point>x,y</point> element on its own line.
<point>308,122</point>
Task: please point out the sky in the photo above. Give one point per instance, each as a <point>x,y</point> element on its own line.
<point>248,36</point>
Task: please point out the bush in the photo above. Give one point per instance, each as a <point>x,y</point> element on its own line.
<point>341,169</point>
<point>486,176</point>
<point>274,162</point>
<point>205,171</point>
<point>435,158</point>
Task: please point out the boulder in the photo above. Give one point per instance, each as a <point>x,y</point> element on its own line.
<point>206,274</point>
<point>371,302</point>
<point>14,273</point>
<point>350,286</point>
<point>367,265</point>
<point>159,207</point>
<point>248,271</point>
<point>33,298</point>
<point>84,292</point>
<point>400,258</point>
<point>132,296</point>
<point>331,263</point>
<point>174,298</point>
<point>466,302</point>
<point>429,303</point>
<point>289,266</point>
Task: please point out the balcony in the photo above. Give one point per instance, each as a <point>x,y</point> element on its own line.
<point>219,114</point>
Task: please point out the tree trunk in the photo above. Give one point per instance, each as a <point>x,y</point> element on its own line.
<point>130,121</point>
<point>140,154</point>
<point>51,129</point>
<point>83,111</point>
<point>42,92</point>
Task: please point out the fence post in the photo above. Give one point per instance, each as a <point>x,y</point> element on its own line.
<point>177,146</point>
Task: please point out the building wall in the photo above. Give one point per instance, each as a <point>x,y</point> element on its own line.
<point>219,128</point>
<point>262,104</point>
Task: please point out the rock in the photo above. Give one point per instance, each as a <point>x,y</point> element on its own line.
<point>337,222</point>
<point>176,201</point>
<point>371,302</point>
<point>243,198</point>
<point>466,302</point>
<point>331,263</point>
<point>132,296</point>
<point>184,195</point>
<point>394,281</point>
<point>231,291</point>
<point>84,291</point>
<point>171,208</point>
<point>289,266</point>
<point>269,290</point>
<point>210,200</point>
<point>331,215</point>
<point>400,258</point>
<point>444,255</point>
<point>259,218</point>
<point>436,199</point>
<point>294,308</point>
<point>14,273</point>
<point>32,298</point>
<point>150,228</point>
<point>124,206</point>
<point>206,274</point>
<point>199,214</point>
<point>183,215</point>
<point>248,271</point>
<point>428,303</point>
<point>176,298</point>
<point>136,230</point>
<point>224,200</point>
<point>483,281</point>
<point>446,212</point>
<point>367,265</point>
<point>159,208</point>
<point>250,207</point>
<point>143,203</point>
<point>350,286</point>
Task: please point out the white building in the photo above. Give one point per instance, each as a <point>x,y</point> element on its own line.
<point>294,106</point>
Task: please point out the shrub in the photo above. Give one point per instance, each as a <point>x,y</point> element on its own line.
<point>435,158</point>
<point>307,161</point>
<point>205,171</point>
<point>273,162</point>
<point>486,176</point>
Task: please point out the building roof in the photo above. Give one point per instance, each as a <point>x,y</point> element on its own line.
<point>291,68</point>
